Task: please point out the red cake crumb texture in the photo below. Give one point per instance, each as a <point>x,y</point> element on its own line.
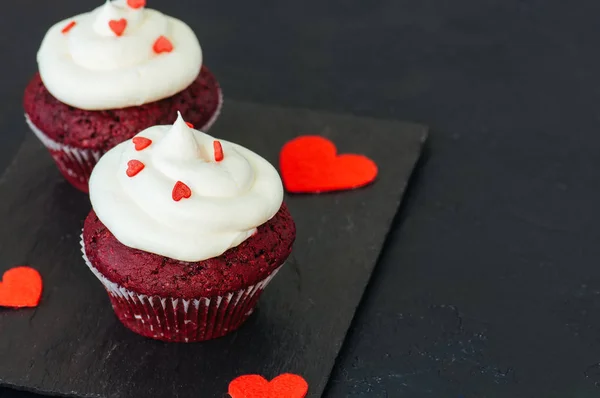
<point>151,274</point>
<point>102,130</point>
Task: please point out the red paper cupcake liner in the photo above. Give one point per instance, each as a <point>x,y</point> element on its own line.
<point>76,164</point>
<point>174,319</point>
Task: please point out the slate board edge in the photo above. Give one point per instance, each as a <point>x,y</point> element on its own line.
<point>399,207</point>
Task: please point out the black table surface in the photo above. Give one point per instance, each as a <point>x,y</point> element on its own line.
<point>489,284</point>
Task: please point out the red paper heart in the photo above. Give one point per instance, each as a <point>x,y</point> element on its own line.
<point>181,191</point>
<point>141,143</point>
<point>134,167</point>
<point>162,45</point>
<point>310,164</point>
<point>255,386</point>
<point>135,4</point>
<point>118,26</point>
<point>190,125</point>
<point>20,287</point>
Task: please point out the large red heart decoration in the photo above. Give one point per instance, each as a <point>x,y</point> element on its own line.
<point>310,164</point>
<point>20,287</point>
<point>255,386</point>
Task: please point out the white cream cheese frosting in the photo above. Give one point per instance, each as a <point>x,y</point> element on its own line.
<point>169,192</point>
<point>107,59</point>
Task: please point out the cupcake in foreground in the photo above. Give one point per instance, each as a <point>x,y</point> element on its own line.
<point>108,74</point>
<point>185,232</point>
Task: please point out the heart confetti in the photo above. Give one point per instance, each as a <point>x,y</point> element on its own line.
<point>181,191</point>
<point>162,45</point>
<point>20,287</point>
<point>118,26</point>
<point>218,151</point>
<point>310,164</point>
<point>68,27</point>
<point>255,386</point>
<point>135,4</point>
<point>190,125</point>
<point>141,143</point>
<point>134,167</point>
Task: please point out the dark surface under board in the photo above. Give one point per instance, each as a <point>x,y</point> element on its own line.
<point>73,344</point>
<point>488,285</point>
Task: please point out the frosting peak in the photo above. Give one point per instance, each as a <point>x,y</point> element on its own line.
<point>108,58</point>
<point>175,197</point>
<point>180,143</point>
<point>112,11</point>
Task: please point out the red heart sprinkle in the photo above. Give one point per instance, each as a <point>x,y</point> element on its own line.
<point>141,143</point>
<point>20,287</point>
<point>190,125</point>
<point>135,4</point>
<point>218,151</point>
<point>69,26</point>
<point>118,26</point>
<point>162,45</point>
<point>310,164</point>
<point>181,191</point>
<point>255,386</point>
<point>134,167</point>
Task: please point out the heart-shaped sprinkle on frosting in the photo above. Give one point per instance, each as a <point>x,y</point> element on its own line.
<point>141,143</point>
<point>118,26</point>
<point>218,151</point>
<point>68,27</point>
<point>181,191</point>
<point>134,167</point>
<point>162,45</point>
<point>135,4</point>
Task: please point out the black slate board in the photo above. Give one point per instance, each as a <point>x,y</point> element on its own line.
<point>72,343</point>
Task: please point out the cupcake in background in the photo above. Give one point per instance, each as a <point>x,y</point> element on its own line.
<point>106,75</point>
<point>185,233</point>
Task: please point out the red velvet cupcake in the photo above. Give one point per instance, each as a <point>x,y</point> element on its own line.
<point>106,75</point>
<point>185,232</point>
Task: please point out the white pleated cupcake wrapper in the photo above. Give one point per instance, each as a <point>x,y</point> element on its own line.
<point>177,319</point>
<point>215,115</point>
<point>77,163</point>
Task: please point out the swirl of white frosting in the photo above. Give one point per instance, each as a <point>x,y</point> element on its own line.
<point>90,67</point>
<point>229,198</point>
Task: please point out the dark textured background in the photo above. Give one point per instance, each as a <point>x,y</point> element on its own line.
<point>490,284</point>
